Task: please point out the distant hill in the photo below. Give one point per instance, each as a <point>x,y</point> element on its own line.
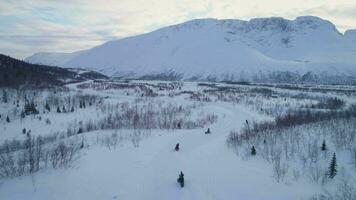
<point>17,73</point>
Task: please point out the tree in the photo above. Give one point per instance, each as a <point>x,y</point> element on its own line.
<point>58,109</point>
<point>47,107</point>
<point>179,125</point>
<point>80,130</point>
<point>253,151</point>
<point>23,131</point>
<point>4,96</point>
<point>7,119</point>
<point>64,109</point>
<point>323,146</point>
<point>333,167</point>
<point>83,104</point>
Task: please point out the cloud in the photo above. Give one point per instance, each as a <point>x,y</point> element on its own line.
<point>29,26</point>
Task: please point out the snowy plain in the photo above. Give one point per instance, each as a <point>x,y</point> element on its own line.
<point>149,171</point>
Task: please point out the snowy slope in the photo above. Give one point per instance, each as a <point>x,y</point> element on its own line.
<point>222,48</point>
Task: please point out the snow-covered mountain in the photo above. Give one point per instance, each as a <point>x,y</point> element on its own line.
<point>222,50</point>
<point>47,58</point>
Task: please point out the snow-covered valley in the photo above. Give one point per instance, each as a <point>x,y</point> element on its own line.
<point>126,132</point>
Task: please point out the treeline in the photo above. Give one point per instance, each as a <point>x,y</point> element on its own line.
<point>16,73</point>
<point>299,117</point>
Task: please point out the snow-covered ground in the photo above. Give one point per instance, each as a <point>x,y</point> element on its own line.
<point>212,169</point>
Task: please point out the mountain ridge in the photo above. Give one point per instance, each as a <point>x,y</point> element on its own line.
<point>216,47</point>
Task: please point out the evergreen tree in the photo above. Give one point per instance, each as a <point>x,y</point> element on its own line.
<point>64,109</point>
<point>253,151</point>
<point>83,104</point>
<point>4,96</point>
<point>179,125</point>
<point>47,107</point>
<point>7,119</point>
<point>333,167</point>
<point>80,104</point>
<point>323,146</point>
<point>72,109</point>
<point>23,131</point>
<point>58,109</point>
<point>80,130</point>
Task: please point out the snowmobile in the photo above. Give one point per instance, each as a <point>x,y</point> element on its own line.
<point>180,180</point>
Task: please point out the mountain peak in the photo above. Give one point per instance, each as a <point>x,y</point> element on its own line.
<point>315,22</point>
<point>301,23</point>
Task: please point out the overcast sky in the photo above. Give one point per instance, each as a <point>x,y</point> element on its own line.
<point>30,26</point>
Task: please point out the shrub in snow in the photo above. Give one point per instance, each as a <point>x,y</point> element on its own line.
<point>22,157</point>
<point>30,108</point>
<point>23,115</point>
<point>353,155</point>
<point>298,146</point>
